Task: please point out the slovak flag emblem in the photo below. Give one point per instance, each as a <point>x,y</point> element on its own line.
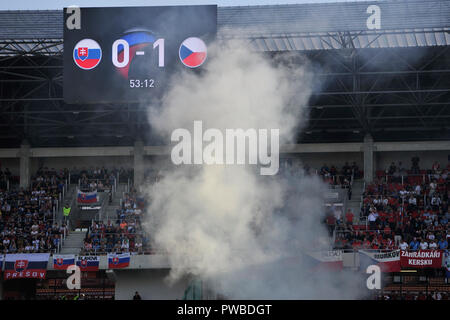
<point>115,260</point>
<point>83,263</point>
<point>20,265</point>
<point>87,54</point>
<point>83,53</point>
<point>59,261</point>
<point>192,52</point>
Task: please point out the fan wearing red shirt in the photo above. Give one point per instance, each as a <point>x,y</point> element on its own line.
<point>392,219</point>
<point>393,203</point>
<point>375,244</point>
<point>366,243</point>
<point>387,231</point>
<point>382,217</point>
<point>349,217</point>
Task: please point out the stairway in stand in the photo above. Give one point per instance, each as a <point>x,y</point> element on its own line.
<point>355,203</point>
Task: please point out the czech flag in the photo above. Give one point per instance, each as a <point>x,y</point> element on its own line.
<point>62,262</point>
<point>387,261</point>
<point>87,54</point>
<point>88,263</point>
<point>117,261</point>
<point>192,52</point>
<point>324,260</point>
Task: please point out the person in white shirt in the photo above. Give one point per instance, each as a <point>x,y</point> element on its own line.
<point>433,245</point>
<point>418,189</point>
<point>372,218</point>
<point>433,187</point>
<point>36,244</point>
<point>412,201</point>
<point>437,296</point>
<point>435,201</point>
<point>403,245</point>
<point>423,245</point>
<point>337,214</point>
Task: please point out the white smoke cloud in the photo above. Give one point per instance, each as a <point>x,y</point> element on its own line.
<point>228,225</point>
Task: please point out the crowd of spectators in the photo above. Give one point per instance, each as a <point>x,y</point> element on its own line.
<point>332,175</point>
<point>343,177</point>
<point>26,216</point>
<point>410,215</point>
<point>5,176</point>
<point>91,179</point>
<point>125,234</point>
<point>99,178</point>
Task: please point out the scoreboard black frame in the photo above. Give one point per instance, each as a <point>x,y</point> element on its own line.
<point>130,54</point>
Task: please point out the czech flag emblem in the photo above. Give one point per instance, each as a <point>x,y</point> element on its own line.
<point>87,54</point>
<point>192,52</point>
<point>137,40</point>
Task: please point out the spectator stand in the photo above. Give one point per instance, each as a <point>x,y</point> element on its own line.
<point>124,234</point>
<point>28,223</point>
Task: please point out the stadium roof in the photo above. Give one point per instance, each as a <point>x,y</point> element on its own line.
<point>273,27</point>
<point>398,90</point>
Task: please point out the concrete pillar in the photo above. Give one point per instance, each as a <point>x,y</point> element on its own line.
<point>138,164</point>
<point>24,154</point>
<point>368,149</point>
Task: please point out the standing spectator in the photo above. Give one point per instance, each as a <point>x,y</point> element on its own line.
<point>331,223</point>
<point>372,220</point>
<point>349,217</point>
<point>137,296</point>
<point>415,165</point>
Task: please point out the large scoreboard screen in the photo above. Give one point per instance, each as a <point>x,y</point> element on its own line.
<point>129,54</point>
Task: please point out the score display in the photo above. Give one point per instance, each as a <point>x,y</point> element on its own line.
<point>129,54</point>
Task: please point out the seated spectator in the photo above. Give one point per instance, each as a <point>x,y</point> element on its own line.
<point>433,245</point>
<point>443,244</point>
<point>414,245</point>
<point>423,244</point>
<point>403,245</point>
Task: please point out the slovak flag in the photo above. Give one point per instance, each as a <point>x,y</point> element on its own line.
<point>88,263</point>
<point>62,262</point>
<point>117,261</point>
<point>87,197</point>
<point>192,52</point>
<point>447,263</point>
<point>26,265</point>
<point>87,54</point>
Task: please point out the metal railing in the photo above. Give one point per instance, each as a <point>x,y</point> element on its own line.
<point>389,178</point>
